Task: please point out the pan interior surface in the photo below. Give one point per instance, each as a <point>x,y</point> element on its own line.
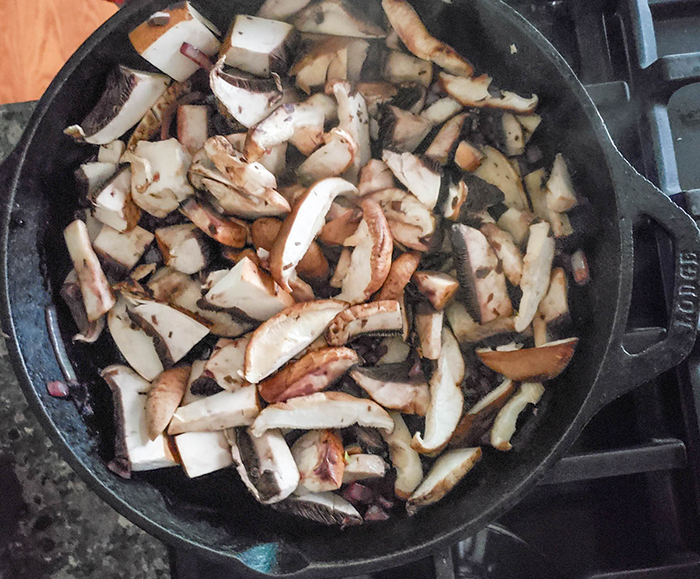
<point>215,513</point>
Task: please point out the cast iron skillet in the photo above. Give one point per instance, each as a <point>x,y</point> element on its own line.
<point>214,515</point>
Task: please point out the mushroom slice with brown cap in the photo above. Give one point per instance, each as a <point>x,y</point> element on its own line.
<point>446,401</point>
<point>391,386</point>
<point>417,174</point>
<point>203,452</point>
<point>311,69</point>
<point>281,9</point>
<point>248,100</point>
<point>479,92</point>
<point>121,251</point>
<point>281,126</point>
<point>318,455</point>
<point>338,18</point>
<point>113,204</point>
<point>322,410</point>
<point>302,225</point>
<point>258,45</point>
<point>441,110</point>
<point>159,176</point>
<point>438,287</point>
<point>159,43</point>
<point>184,247</point>
<point>537,268</point>
<point>401,130</point>
<point>217,412</point>
<point>560,195</point>
<point>467,331</point>
<point>448,470</point>
<point>496,169</point>
<point>174,332</point>
<point>326,508</point>
<point>92,177</point>
<point>418,40</point>
<point>228,232</point>
<point>405,460</point>
<point>354,119</point>
<point>479,419</point>
<point>225,365</point>
<point>506,251</point>
<point>127,97</point>
<point>446,140</point>
<point>133,343</point>
<point>331,160</point>
<point>402,269</point>
<point>411,223</point>
<point>164,397</point>
<point>428,326</point>
<point>336,231</point>
<point>233,202</point>
<point>363,467</point>
<point>313,372</point>
<point>372,318</point>
<point>192,126</point>
<point>517,223</point>
<point>88,331</point>
<point>468,157</point>
<point>543,363</point>
<point>274,160</point>
<point>480,274</point>
<point>249,291</point>
<point>286,334</point>
<point>506,420</point>
<point>133,450</point>
<point>375,176</point>
<point>98,297</point>
<point>555,305</point>
<point>265,464</point>
<point>401,67</point>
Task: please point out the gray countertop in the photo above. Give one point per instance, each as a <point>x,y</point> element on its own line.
<point>51,524</point>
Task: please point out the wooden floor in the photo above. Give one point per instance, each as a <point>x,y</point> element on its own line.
<point>36,39</point>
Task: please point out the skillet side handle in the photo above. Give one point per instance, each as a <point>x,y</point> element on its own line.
<point>638,198</point>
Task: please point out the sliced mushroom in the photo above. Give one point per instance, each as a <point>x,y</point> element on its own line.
<point>250,291</point>
<point>354,119</point>
<point>203,452</point>
<point>441,110</point>
<point>366,319</point>
<point>336,231</point>
<point>265,464</point>
<point>159,176</point>
<point>478,420</point>
<point>174,332</point>
<point>281,9</point>
<point>121,251</point>
<point>468,157</point>
<point>411,223</point>
<point>98,297</point>
<point>363,467</point>
<point>393,350</point>
<point>286,334</point>
<point>338,18</point>
<point>314,372</point>
<point>391,386</point>
<point>480,275</point>
<point>302,225</point>
<point>233,202</point>
<point>282,125</point>
<point>560,195</point>
<point>446,401</point>
<point>513,135</point>
<point>506,251</point>
<point>531,364</point>
<point>133,343</point>
<point>467,331</point>
<point>446,140</point>
<point>258,45</point>
<point>448,470</point>
<point>376,94</point>
<point>402,269</point>
<point>318,455</point>
<point>537,268</point>
<point>184,247</point>
<point>92,177</point>
<point>415,36</point>
<point>341,268</point>
<point>247,100</point>
<point>401,130</point>
<point>438,287</point>
<point>217,412</point>
<point>517,223</point>
<point>480,92</point>
<point>127,97</point>
<point>418,175</point>
<point>192,126</point>
<point>274,160</point>
<point>529,124</point>
<point>371,256</point>
<point>505,423</point>
<point>496,169</point>
<point>375,176</point>
<point>88,331</point>
<point>164,397</point>
<point>311,69</point>
<point>428,325</point>
<point>405,460</point>
<point>331,160</point>
<point>226,231</point>
<point>555,305</point>
<point>325,508</point>
<point>322,410</point>
<point>160,43</point>
<point>401,67</point>
<point>225,365</point>
<point>133,450</point>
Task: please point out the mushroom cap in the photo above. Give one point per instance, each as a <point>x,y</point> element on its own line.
<point>531,364</point>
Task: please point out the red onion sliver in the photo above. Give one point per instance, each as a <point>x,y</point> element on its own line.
<point>58,389</point>
<point>358,494</point>
<point>196,56</point>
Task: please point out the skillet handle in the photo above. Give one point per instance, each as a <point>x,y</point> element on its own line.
<point>625,371</point>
